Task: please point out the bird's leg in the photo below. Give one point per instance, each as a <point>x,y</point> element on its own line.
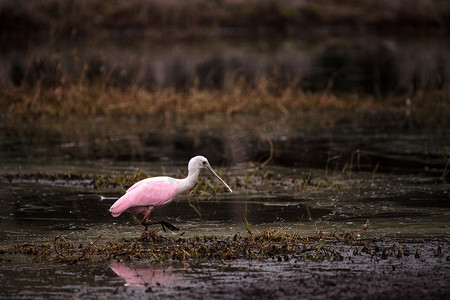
<point>168,225</point>
<point>164,224</point>
<point>145,219</point>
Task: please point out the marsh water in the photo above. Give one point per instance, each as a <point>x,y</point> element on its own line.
<point>381,168</point>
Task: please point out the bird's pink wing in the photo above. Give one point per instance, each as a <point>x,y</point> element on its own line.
<point>140,183</point>
<point>145,193</point>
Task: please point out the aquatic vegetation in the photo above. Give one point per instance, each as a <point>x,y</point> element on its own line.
<point>122,180</point>
<point>254,179</point>
<point>445,172</point>
<point>269,244</point>
<point>247,225</point>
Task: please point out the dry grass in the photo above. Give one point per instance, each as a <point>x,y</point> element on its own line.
<point>89,101</point>
<point>97,100</point>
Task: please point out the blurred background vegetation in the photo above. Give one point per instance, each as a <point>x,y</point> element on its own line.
<point>24,19</point>
<point>89,58</point>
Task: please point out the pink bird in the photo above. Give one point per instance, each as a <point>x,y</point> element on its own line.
<point>149,194</point>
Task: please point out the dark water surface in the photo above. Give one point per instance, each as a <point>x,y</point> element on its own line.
<point>232,279</point>
<point>378,168</point>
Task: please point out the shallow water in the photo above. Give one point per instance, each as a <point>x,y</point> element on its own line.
<point>397,206</point>
<point>239,279</point>
<point>404,199</point>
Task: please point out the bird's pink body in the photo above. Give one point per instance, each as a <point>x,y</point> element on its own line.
<point>151,192</point>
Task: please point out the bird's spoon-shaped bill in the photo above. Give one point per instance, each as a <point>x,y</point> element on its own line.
<point>218,177</point>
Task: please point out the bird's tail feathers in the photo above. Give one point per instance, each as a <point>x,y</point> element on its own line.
<point>120,206</point>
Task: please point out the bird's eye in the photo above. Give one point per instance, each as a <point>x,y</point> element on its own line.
<point>204,163</point>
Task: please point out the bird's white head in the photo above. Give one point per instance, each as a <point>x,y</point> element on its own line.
<point>200,162</point>
<point>197,162</point>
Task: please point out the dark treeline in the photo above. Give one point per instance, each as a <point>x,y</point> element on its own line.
<point>365,66</point>
<point>21,19</point>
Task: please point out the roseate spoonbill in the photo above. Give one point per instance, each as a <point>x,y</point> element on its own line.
<point>149,194</point>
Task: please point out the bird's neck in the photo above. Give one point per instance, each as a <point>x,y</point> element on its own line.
<point>188,183</point>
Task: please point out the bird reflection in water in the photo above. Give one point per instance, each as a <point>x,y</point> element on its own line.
<point>143,276</point>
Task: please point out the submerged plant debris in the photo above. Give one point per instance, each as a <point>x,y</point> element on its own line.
<point>77,179</point>
<point>270,244</point>
<point>248,182</point>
